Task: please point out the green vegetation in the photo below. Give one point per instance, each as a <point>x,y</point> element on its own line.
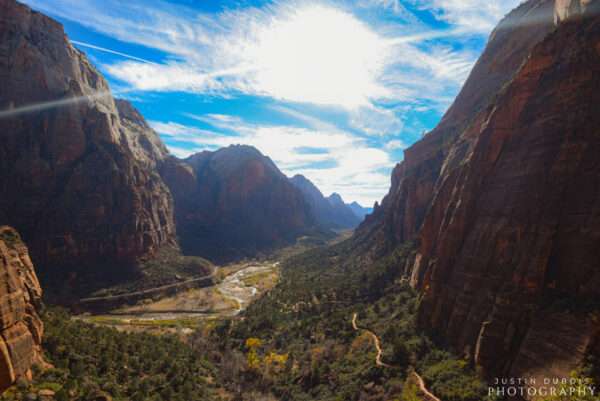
<point>103,278</point>
<point>169,266</point>
<point>296,343</point>
<point>90,360</point>
<point>304,323</point>
<point>158,323</point>
<point>255,279</point>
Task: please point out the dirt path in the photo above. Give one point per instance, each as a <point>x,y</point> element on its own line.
<point>378,359</point>
<point>428,395</point>
<point>376,341</point>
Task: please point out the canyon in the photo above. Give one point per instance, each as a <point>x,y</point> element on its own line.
<point>493,217</point>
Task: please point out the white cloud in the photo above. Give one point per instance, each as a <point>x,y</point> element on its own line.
<point>179,131</point>
<point>103,49</point>
<point>394,5</point>
<point>336,161</point>
<point>376,121</point>
<point>312,52</point>
<point>319,55</point>
<point>472,15</point>
<point>395,144</point>
<point>445,64</point>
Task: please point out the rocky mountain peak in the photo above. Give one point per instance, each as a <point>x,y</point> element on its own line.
<point>335,199</point>
<point>494,197</point>
<point>330,212</point>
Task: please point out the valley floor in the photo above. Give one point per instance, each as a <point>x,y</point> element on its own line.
<point>197,300</point>
<point>236,287</point>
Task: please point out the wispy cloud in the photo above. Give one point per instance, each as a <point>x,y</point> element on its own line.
<point>311,54</point>
<point>376,121</point>
<point>289,50</point>
<point>395,144</point>
<point>336,161</point>
<point>470,15</point>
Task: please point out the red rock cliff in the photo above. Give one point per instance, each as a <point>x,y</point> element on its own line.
<point>20,295</point>
<point>414,180</point>
<point>509,250</point>
<point>78,180</point>
<point>503,201</point>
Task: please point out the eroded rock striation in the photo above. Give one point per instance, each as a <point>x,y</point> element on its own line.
<point>79,177</point>
<point>503,202</point>
<point>413,185</point>
<point>568,9</point>
<point>234,203</point>
<point>513,232</point>
<point>20,295</point>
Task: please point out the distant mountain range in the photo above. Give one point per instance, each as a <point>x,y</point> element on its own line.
<point>235,202</point>
<point>360,211</point>
<point>330,212</point>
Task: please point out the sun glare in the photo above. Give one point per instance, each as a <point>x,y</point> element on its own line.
<point>319,55</point>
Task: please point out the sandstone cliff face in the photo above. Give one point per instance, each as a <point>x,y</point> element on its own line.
<point>413,185</point>
<point>78,181</point>
<point>20,295</point>
<point>510,245</point>
<point>568,9</point>
<point>234,203</point>
<point>503,200</point>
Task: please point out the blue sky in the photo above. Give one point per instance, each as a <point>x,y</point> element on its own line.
<point>331,89</point>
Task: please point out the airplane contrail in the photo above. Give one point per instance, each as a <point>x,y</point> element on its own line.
<point>104,49</point>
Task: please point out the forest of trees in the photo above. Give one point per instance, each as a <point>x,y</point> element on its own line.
<point>306,323</point>
<point>100,363</point>
<point>296,343</point>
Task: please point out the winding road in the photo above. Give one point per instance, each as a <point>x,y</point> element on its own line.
<point>428,396</point>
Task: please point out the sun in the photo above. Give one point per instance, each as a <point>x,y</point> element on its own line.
<point>319,55</point>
